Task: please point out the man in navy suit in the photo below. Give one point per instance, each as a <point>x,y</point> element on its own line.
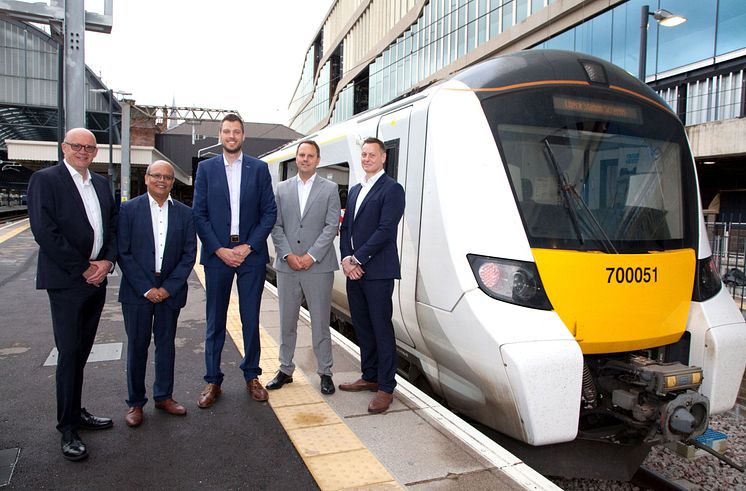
<point>73,218</point>
<point>370,260</point>
<point>157,250</point>
<point>234,212</point>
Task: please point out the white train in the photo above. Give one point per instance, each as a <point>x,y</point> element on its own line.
<point>556,273</point>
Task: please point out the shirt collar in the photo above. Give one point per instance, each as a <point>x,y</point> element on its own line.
<point>152,200</point>
<point>74,172</point>
<point>371,181</point>
<point>308,181</point>
<point>238,159</point>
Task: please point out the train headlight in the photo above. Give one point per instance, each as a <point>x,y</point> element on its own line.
<point>707,281</point>
<point>516,282</point>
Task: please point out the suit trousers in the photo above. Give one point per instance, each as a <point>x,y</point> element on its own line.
<point>371,309</point>
<point>317,290</point>
<point>141,321</point>
<point>75,315</point>
<point>219,282</point>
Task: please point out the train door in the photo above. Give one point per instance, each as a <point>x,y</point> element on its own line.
<point>393,130</point>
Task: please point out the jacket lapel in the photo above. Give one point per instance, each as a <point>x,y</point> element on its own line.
<point>68,182</point>
<point>147,222</point>
<point>245,170</point>
<point>373,191</point>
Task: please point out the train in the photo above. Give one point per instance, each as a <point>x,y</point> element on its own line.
<point>557,280</point>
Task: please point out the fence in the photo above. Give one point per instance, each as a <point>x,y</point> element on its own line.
<point>728,242</point>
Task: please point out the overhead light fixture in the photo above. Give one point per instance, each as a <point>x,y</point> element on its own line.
<point>667,19</point>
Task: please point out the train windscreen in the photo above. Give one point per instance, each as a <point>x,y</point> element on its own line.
<point>596,171</point>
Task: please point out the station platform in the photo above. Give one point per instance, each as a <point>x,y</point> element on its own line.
<point>299,440</point>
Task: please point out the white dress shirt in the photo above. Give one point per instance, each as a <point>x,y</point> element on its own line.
<point>159,219</point>
<point>367,184</point>
<point>233,174</point>
<point>92,207</point>
<point>304,189</point>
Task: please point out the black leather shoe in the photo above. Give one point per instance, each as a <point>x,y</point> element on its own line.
<point>73,447</point>
<point>280,379</point>
<point>91,422</point>
<point>327,385</point>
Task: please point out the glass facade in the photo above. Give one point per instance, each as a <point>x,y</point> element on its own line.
<point>28,66</point>
<point>446,30</point>
<point>713,28</point>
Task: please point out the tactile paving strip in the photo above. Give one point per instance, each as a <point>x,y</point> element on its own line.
<point>15,230</point>
<point>334,455</point>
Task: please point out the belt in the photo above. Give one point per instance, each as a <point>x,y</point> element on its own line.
<point>234,239</point>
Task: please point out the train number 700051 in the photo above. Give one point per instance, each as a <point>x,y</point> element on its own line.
<point>632,275</point>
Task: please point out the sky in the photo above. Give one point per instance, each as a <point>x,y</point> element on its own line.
<point>243,55</point>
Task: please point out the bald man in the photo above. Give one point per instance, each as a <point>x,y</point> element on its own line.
<point>74,220</point>
<point>157,248</point>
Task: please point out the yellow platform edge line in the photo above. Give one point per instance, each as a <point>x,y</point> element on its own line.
<point>13,232</point>
<point>328,466</point>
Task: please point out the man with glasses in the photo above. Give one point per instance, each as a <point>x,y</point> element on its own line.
<point>157,249</point>
<point>73,218</point>
<point>234,212</point>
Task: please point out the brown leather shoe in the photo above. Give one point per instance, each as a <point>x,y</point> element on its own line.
<point>134,417</point>
<point>359,385</point>
<point>171,407</point>
<point>258,393</point>
<point>380,402</point>
<point>208,396</point>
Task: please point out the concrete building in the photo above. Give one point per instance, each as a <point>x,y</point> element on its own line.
<point>367,53</point>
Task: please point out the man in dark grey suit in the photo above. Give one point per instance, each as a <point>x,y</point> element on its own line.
<point>74,220</point>
<point>305,261</point>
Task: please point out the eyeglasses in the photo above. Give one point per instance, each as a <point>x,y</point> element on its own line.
<point>163,177</point>
<point>77,146</point>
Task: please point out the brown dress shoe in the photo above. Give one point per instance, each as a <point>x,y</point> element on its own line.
<point>171,407</point>
<point>134,417</point>
<point>258,393</point>
<point>380,402</point>
<point>208,396</point>
<point>359,385</point>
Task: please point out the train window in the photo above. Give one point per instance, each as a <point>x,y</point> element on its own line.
<point>392,158</point>
<point>339,173</point>
<point>611,175</point>
<point>288,169</point>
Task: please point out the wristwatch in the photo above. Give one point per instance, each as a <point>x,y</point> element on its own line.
<point>354,261</point>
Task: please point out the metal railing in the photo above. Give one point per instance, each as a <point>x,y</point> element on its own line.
<point>728,241</point>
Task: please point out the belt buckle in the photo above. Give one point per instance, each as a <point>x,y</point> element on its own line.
<point>234,239</point>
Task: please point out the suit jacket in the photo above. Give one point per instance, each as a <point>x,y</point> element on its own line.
<point>311,233</point>
<point>61,228</point>
<point>212,209</point>
<point>137,252</point>
<point>373,229</point>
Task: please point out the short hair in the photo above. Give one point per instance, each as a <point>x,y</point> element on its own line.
<point>232,117</point>
<point>312,143</point>
<point>375,141</point>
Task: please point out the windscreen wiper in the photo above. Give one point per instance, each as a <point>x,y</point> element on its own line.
<point>570,195</point>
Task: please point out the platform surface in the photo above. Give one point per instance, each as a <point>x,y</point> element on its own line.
<point>301,439</point>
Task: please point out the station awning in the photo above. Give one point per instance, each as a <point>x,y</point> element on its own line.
<point>30,152</point>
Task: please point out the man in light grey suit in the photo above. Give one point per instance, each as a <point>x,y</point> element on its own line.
<point>305,261</point>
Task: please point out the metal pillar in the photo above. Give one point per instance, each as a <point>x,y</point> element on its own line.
<point>75,91</point>
<point>644,16</point>
<point>125,172</point>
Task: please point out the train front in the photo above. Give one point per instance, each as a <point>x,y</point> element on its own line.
<point>606,190</point>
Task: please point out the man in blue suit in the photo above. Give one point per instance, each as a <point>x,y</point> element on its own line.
<point>157,250</point>
<point>370,260</point>
<point>234,212</point>
<point>74,220</point>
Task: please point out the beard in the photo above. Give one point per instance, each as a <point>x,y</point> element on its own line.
<point>234,147</point>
